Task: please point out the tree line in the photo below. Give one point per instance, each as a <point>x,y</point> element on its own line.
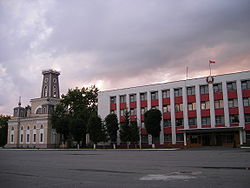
<point>76,116</point>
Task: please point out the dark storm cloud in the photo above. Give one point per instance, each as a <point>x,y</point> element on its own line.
<point>118,43</point>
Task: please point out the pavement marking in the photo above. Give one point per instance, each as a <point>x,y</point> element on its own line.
<point>182,175</point>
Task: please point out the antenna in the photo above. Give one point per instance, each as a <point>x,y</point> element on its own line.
<point>19,103</point>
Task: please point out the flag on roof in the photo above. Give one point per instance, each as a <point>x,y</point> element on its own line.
<point>211,61</point>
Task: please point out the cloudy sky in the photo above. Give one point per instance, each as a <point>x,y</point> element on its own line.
<point>117,43</point>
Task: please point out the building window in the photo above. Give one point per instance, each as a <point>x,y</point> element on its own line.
<point>142,125</point>
<point>41,137</point>
<point>34,138</point>
<point>247,118</point>
<point>195,139</point>
<point>218,104</point>
<point>167,123</point>
<point>54,91</point>
<point>179,137</point>
<point>191,90</point>
<point>204,89</point>
<point>12,138</point>
<point>245,84</point>
<point>191,106</point>
<point>246,101</point>
<point>167,137</point>
<point>132,111</point>
<point>179,122</point>
<point>28,128</point>
<point>21,140</point>
<point>143,110</point>
<point>166,108</point>
<point>192,121</point>
<point>12,128</point>
<point>178,107</point>
<point>217,88</point>
<point>178,92</point>
<point>45,91</point>
<point>219,120</point>
<point>28,138</point>
<point>248,136</point>
<point>205,121</point>
<point>234,118</point>
<point>232,103</point>
<point>34,127</point>
<point>143,96</point>
<point>205,105</point>
<point>123,112</point>
<point>122,98</point>
<point>231,86</point>
<point>22,128</point>
<point>132,98</point>
<point>113,100</point>
<point>41,127</point>
<point>154,95</point>
<point>166,94</point>
<point>228,138</point>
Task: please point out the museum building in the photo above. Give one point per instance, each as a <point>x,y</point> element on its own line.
<point>206,111</point>
<point>31,126</point>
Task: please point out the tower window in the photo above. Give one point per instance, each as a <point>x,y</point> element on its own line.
<point>54,91</point>
<point>45,91</point>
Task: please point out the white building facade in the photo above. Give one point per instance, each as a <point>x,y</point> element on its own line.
<point>207,111</point>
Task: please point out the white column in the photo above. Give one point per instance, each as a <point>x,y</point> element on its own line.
<point>241,137</point>
<point>149,107</point>
<point>118,116</point>
<point>160,108</point>
<point>127,103</point>
<point>198,105</point>
<point>185,107</point>
<point>138,109</point>
<point>225,100</point>
<point>211,99</point>
<point>172,116</point>
<point>240,104</point>
<point>185,138</point>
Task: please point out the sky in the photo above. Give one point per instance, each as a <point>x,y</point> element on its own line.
<point>115,43</point>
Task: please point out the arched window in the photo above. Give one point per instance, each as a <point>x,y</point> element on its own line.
<point>22,128</point>
<point>45,91</point>
<point>54,91</point>
<point>28,128</point>
<point>12,128</point>
<point>39,111</point>
<point>41,126</point>
<point>34,127</point>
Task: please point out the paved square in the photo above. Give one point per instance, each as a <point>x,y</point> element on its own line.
<point>219,167</point>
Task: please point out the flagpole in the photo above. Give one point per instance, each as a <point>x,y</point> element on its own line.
<point>210,68</point>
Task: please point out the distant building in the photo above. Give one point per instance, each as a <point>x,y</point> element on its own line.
<point>208,111</point>
<point>31,126</point>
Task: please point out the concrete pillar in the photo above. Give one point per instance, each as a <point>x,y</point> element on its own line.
<point>173,116</point>
<point>240,105</point>
<point>225,100</point>
<point>211,99</point>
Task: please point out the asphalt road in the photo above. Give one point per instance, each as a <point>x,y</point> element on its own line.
<point>116,169</point>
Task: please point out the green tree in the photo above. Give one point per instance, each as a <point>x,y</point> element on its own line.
<point>134,132</point>
<point>96,130</point>
<point>153,123</point>
<point>125,130</point>
<point>111,123</point>
<point>79,104</point>
<point>3,129</point>
<point>60,122</point>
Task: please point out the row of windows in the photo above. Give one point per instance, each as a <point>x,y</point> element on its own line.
<point>27,137</point>
<point>231,86</point>
<point>219,120</point>
<point>28,128</point>
<point>204,105</point>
